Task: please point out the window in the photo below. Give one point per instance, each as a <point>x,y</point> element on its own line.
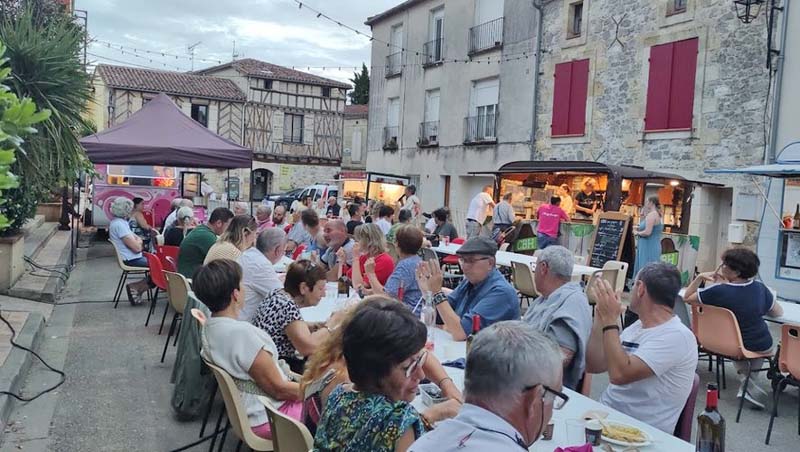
<point>326,91</point>
<point>670,90</point>
<point>436,35</point>
<point>676,7</point>
<point>292,128</point>
<point>200,114</point>
<point>481,125</point>
<point>575,20</point>
<point>267,83</point>
<point>571,81</point>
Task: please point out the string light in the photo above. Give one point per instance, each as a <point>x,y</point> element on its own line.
<point>155,52</point>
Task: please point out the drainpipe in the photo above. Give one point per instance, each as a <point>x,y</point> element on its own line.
<point>773,140</point>
<point>537,5</point>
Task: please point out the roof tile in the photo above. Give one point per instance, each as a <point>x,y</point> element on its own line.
<point>257,68</point>
<point>176,83</point>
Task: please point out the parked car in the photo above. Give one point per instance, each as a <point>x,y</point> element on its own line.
<point>316,192</point>
<point>283,199</point>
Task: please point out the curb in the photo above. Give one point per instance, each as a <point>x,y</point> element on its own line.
<point>18,363</point>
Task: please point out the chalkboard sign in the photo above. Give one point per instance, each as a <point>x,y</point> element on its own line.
<point>609,238</point>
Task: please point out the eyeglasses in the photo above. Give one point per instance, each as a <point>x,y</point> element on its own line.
<point>558,398</point>
<point>472,261</point>
<point>416,364</point>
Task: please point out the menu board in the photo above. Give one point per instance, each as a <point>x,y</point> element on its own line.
<point>609,238</point>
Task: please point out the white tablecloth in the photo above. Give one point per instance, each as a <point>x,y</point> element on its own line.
<point>504,259</point>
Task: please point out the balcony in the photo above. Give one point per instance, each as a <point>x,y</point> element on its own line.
<point>433,52</point>
<point>394,64</point>
<point>480,129</point>
<point>390,138</point>
<point>486,36</point>
<point>428,134</point>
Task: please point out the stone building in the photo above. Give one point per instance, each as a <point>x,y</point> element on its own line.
<point>437,120</point>
<point>355,137</point>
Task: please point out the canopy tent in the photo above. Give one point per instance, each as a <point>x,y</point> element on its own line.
<point>161,134</point>
<point>786,165</point>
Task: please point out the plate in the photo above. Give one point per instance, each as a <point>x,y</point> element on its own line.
<point>617,442</point>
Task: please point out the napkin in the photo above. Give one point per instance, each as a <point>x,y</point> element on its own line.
<point>584,448</point>
<point>459,363</point>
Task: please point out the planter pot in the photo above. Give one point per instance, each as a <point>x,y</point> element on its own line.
<point>50,210</point>
<point>12,265</point>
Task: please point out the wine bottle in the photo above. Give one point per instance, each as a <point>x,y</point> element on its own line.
<point>343,285</point>
<point>476,326</point>
<point>428,316</point>
<point>711,424</point>
<point>796,222</point>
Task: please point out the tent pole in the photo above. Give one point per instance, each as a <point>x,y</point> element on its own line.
<point>251,187</point>
<point>228,188</point>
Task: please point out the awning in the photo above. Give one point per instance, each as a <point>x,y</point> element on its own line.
<point>786,165</point>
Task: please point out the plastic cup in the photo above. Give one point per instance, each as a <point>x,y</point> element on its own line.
<point>576,432</point>
<point>446,240</point>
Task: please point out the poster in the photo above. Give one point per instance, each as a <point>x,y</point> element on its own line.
<point>285,178</point>
<point>792,258</point>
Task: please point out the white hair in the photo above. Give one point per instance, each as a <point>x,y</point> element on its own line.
<point>506,358</point>
<point>186,203</point>
<point>263,210</point>
<point>185,216</point>
<point>559,260</point>
<point>121,207</point>
<point>241,205</point>
<point>269,239</point>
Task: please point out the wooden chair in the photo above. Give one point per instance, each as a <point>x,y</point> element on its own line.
<point>288,435</point>
<point>178,292</point>
<point>123,278</point>
<point>237,415</point>
<point>157,276</point>
<point>522,276</point>
<point>718,334</point>
<point>786,370</point>
<point>683,429</point>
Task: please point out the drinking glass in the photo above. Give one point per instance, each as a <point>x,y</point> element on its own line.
<point>576,432</point>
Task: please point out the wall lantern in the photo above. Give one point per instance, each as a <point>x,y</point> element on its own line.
<point>747,10</point>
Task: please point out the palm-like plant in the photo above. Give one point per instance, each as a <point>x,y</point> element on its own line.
<point>44,56</point>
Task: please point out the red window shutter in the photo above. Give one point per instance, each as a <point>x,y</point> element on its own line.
<point>577,98</point>
<point>684,66</point>
<point>561,101</point>
<point>658,88</point>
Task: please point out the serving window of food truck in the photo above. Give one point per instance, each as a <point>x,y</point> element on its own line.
<point>386,188</point>
<point>142,176</point>
<point>353,184</point>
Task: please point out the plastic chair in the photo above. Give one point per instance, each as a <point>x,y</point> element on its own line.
<point>523,281</point>
<point>683,429</point>
<point>170,264</point>
<point>609,275</point>
<point>126,270</point>
<point>237,415</point>
<point>157,276</point>
<point>298,251</point>
<point>452,259</point>
<point>504,246</point>
<point>787,372</point>
<point>288,435</point>
<point>178,292</point>
<point>718,334</point>
<point>148,217</point>
<point>579,260</point>
<point>622,268</point>
<point>164,251</point>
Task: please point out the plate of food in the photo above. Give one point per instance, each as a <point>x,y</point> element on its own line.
<point>624,435</point>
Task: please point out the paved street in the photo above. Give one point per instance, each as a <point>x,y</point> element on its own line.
<point>116,397</point>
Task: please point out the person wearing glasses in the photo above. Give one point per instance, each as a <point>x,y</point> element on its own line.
<point>733,286</point>
<point>512,384</point>
<point>383,345</point>
<point>483,291</point>
<point>651,365</point>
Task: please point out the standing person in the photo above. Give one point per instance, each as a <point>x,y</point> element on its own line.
<point>567,205</point>
<point>128,245</point>
<point>184,224</point>
<point>384,222</point>
<point>651,365</point>
<point>356,211</point>
<point>238,237</point>
<point>512,385</point>
<point>478,211</point>
<point>263,217</point>
<point>333,209</point>
<point>258,273</point>
<point>733,286</point>
<point>195,246</point>
<point>550,217</point>
<point>586,202</point>
<point>443,226</point>
<point>648,246</point>
<point>411,201</point>
<point>140,226</point>
<point>374,263</point>
<point>503,215</point>
<point>279,217</point>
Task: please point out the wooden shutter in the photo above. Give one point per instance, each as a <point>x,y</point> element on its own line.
<point>561,93</point>
<point>569,98</point>
<point>670,90</point>
<point>658,87</point>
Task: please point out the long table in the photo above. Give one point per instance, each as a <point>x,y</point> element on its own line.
<point>446,349</point>
<point>505,258</point>
<point>791,311</point>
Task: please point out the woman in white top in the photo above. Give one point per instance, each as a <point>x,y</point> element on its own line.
<point>247,353</point>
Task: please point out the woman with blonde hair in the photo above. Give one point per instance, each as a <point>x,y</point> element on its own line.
<point>375,265</point>
<point>240,235</point>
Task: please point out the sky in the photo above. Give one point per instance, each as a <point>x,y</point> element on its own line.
<point>276,31</point>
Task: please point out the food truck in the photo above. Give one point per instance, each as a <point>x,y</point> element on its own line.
<point>610,188</point>
<point>386,188</point>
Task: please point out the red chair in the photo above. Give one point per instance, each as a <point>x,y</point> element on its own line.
<point>148,217</point>
<point>158,278</point>
<point>162,251</point>
<point>287,228</point>
<point>453,259</point>
<point>683,429</point>
<point>170,265</point>
<point>298,251</point>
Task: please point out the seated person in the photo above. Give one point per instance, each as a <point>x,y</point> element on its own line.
<point>403,218</point>
<point>184,224</point>
<point>279,217</point>
<point>279,313</point>
<point>562,311</point>
<point>484,291</point>
<point>195,246</point>
<point>733,286</point>
<point>333,209</point>
<point>374,263</point>
<point>402,283</point>
<point>443,227</point>
<point>238,237</point>
<point>140,226</point>
<point>241,208</point>
<point>651,365</point>
<point>384,221</point>
<point>247,353</point>
<point>339,251</point>
<point>309,228</point>
<point>383,345</point>
<point>128,245</point>
<point>263,217</point>
<point>259,275</point>
<point>178,203</point>
<point>512,385</point>
<point>356,211</point>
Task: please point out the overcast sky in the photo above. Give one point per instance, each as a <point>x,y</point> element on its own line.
<point>271,30</point>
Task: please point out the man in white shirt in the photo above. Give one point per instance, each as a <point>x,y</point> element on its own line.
<point>651,365</point>
<point>512,385</point>
<point>412,201</point>
<point>384,221</point>
<point>259,276</point>
<point>170,221</point>
<point>477,212</point>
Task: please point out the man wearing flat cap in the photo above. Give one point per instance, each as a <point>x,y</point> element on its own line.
<point>483,291</point>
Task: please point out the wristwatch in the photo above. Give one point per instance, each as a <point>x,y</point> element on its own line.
<point>439,298</point>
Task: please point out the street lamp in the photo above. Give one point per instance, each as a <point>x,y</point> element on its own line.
<point>747,10</point>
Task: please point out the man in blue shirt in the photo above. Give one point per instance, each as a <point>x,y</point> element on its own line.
<point>484,291</point>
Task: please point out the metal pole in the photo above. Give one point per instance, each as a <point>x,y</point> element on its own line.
<point>776,104</point>
<point>537,4</point>
<point>228,188</point>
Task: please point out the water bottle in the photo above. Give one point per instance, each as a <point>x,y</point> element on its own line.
<point>428,317</point>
